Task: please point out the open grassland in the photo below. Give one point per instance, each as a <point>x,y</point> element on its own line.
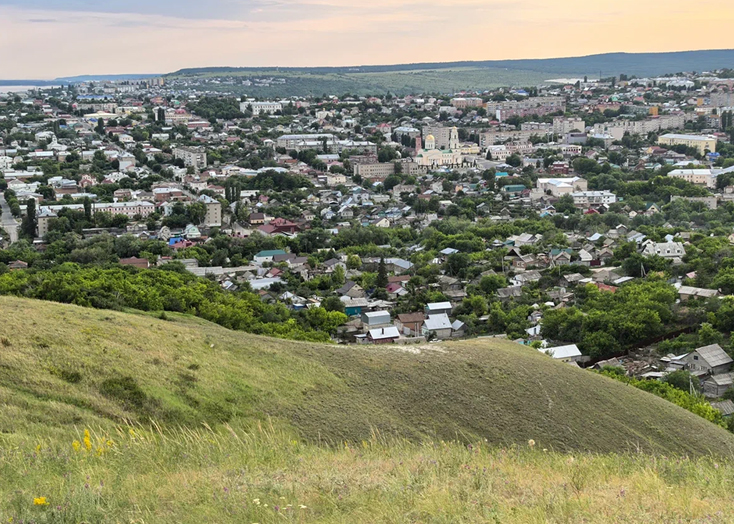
<point>264,476</point>
<point>396,82</point>
<point>64,367</point>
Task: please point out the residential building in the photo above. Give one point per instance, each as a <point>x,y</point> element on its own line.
<point>569,353</point>
<point>699,142</point>
<point>443,137</point>
<point>593,198</point>
<point>192,156</point>
<point>213,217</point>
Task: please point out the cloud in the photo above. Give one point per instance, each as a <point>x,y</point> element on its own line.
<point>159,36</point>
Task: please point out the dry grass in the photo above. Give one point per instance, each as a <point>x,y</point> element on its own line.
<point>66,367</point>
<point>265,476</point>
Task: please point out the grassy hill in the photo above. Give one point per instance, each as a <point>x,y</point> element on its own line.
<point>63,367</point>
<point>449,77</point>
<point>250,429</point>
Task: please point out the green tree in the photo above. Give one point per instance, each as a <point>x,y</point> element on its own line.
<point>682,380</point>
<point>382,279</point>
<point>29,226</point>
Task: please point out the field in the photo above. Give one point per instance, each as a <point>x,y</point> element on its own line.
<point>395,82</point>
<point>190,422</point>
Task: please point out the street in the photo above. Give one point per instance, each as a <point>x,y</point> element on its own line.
<point>7,221</point>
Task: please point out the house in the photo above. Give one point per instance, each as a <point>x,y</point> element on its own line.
<point>568,353</point>
<point>664,249</point>
<point>438,308</point>
<point>353,307</point>
<point>383,335</point>
<point>726,407</point>
<point>17,264</point>
<point>410,324</point>
<point>351,290</point>
<point>715,386</point>
<point>438,326</point>
<point>376,319</point>
<point>458,329</point>
<point>708,360</point>
<point>687,292</point>
<point>267,256</point>
<point>141,263</point>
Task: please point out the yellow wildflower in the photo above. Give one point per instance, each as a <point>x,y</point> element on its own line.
<point>87,440</point>
<point>76,445</point>
<point>38,448</point>
<point>110,443</point>
<point>40,501</point>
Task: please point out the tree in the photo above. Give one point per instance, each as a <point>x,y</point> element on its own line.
<point>100,126</point>
<point>88,208</point>
<point>682,380</point>
<point>354,262</point>
<point>382,280</point>
<point>30,222</point>
<point>333,304</point>
<point>196,212</point>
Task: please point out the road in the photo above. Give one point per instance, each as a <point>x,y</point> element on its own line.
<point>7,221</point>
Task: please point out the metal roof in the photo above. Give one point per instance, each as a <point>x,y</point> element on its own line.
<point>714,355</point>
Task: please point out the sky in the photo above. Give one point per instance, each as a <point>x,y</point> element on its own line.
<point>46,39</point>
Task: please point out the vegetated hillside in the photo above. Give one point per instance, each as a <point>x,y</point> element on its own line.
<point>64,367</point>
<point>609,63</point>
<point>449,77</point>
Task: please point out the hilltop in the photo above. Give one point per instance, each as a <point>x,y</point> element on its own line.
<point>449,77</point>
<point>64,367</point>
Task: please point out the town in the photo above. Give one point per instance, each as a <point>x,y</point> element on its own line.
<point>592,219</point>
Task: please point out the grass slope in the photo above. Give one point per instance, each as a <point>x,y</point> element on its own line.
<point>263,476</point>
<point>64,367</point>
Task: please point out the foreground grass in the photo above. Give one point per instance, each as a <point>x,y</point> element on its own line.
<point>64,367</point>
<point>264,475</point>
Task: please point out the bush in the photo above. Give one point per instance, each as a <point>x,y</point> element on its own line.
<point>124,390</point>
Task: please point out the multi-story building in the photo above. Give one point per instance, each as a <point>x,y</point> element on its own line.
<point>378,171</point>
<point>593,198</point>
<point>307,141</point>
<point>192,156</point>
<point>563,126</point>
<point>444,137</point>
<point>561,186</point>
<point>703,177</point>
<point>699,142</point>
<point>464,103</point>
<point>618,128</point>
<point>541,105</point>
<point>213,217</point>
<point>261,107</point>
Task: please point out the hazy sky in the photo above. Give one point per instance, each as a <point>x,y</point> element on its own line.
<point>51,38</point>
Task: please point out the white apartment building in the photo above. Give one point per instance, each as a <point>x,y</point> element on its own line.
<point>563,126</point>
<point>561,186</point>
<point>192,156</point>
<point>593,198</point>
<point>703,177</point>
<point>261,107</point>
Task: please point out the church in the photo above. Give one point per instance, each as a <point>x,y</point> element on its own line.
<point>432,157</point>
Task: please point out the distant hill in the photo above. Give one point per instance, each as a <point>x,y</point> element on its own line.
<point>64,367</point>
<point>608,64</point>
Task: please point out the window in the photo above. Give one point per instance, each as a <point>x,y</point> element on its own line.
<point>695,357</point>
